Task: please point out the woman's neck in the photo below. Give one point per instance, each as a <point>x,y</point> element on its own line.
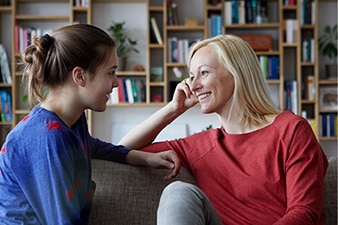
<point>237,125</point>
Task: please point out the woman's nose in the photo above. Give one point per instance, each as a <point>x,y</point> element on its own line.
<point>194,84</point>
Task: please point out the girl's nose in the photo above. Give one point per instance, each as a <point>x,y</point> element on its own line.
<point>116,82</point>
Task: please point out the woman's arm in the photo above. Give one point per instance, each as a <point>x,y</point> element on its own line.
<point>146,132</point>
<point>304,170</point>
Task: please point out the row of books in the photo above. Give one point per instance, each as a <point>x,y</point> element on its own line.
<point>290,29</point>
<point>80,3</point>
<point>215,24</point>
<point>270,66</point>
<point>290,2</point>
<point>306,9</point>
<point>130,90</point>
<point>245,11</point>
<point>308,50</point>
<point>23,36</point>
<point>178,49</point>
<point>5,2</point>
<point>6,76</point>
<point>155,34</point>
<point>6,114</point>
<point>328,124</point>
<point>172,13</point>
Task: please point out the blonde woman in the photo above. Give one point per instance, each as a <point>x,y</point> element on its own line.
<point>262,166</point>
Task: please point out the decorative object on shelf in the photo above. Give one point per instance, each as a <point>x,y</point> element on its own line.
<point>138,68</point>
<point>125,45</point>
<point>178,74</point>
<point>327,44</point>
<point>328,98</point>
<point>156,74</point>
<point>258,42</point>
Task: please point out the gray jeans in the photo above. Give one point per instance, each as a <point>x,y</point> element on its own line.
<point>185,204</point>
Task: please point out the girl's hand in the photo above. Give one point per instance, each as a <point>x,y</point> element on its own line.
<point>183,97</point>
<point>167,159</point>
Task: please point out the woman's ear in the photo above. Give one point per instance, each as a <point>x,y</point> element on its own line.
<point>79,76</point>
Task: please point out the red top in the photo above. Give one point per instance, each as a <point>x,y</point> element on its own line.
<point>274,175</point>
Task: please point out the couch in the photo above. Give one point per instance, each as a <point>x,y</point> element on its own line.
<point>128,195</point>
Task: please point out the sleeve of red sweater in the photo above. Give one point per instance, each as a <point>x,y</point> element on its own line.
<point>304,169</point>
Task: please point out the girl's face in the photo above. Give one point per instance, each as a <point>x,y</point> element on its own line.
<point>211,83</point>
<point>101,85</point>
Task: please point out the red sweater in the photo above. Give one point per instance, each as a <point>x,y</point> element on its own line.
<point>274,175</point>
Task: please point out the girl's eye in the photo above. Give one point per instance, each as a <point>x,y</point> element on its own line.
<point>112,72</point>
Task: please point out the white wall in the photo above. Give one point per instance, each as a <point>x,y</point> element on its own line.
<point>136,21</point>
<point>193,121</point>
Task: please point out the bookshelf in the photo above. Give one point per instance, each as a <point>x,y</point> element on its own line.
<point>193,23</point>
<point>5,40</point>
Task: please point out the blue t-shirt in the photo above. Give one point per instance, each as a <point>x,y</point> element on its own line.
<point>45,170</point>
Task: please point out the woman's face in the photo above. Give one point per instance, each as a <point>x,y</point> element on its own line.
<point>101,85</point>
<point>211,83</point>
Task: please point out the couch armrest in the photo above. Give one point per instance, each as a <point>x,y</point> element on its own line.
<point>330,192</point>
<point>127,194</point>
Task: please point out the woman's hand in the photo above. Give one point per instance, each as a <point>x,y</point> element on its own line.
<point>183,97</point>
<point>166,159</point>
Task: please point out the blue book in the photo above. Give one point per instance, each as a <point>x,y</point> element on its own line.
<point>331,124</point>
<point>234,11</point>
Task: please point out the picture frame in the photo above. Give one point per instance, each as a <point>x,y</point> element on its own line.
<point>328,98</point>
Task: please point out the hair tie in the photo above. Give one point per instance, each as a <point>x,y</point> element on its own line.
<point>47,42</point>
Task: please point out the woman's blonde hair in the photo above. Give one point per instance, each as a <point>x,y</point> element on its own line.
<point>251,100</point>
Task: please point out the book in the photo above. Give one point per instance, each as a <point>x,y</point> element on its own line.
<point>291,30</point>
<point>241,11</point>
<point>234,11</point>
<point>310,85</point>
<point>227,13</point>
<point>4,64</point>
<point>156,31</point>
<point>129,90</point>
<point>6,106</point>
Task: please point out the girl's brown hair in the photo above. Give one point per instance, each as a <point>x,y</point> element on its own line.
<point>50,58</point>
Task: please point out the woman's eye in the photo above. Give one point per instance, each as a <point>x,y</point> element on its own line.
<point>204,72</point>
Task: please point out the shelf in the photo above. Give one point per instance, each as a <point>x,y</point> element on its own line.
<point>254,26</point>
<point>328,138</point>
<point>131,73</point>
<point>42,18</point>
<point>5,9</point>
<point>328,82</point>
<point>156,9</point>
<point>185,28</point>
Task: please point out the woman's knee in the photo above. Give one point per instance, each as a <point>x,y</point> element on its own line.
<point>179,187</point>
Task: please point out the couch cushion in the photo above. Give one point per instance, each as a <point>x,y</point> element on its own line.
<point>330,192</point>
<point>127,195</point>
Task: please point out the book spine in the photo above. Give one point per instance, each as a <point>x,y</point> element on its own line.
<point>234,11</point>
<point>157,31</point>
<point>129,90</point>
<point>227,13</point>
<point>311,91</point>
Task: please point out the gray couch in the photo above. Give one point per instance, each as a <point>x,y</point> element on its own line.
<point>127,195</point>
